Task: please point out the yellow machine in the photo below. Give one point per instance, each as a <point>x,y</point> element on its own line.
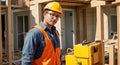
<point>88,54</point>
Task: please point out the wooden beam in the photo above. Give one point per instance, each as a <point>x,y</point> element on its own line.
<point>71,4</point>
<point>84,24</point>
<point>62,3</point>
<point>9,32</point>
<point>0,36</point>
<point>78,24</point>
<point>118,31</point>
<point>115,2</point>
<point>100,29</point>
<point>112,55</point>
<point>44,1</point>
<point>40,1</point>
<point>99,26</point>
<point>97,3</point>
<point>37,13</point>
<point>78,1</point>
<point>37,17</point>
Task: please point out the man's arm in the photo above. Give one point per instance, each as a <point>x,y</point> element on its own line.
<point>29,48</point>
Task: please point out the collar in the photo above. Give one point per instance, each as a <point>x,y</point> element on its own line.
<point>45,27</point>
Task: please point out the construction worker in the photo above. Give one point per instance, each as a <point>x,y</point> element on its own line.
<point>42,44</point>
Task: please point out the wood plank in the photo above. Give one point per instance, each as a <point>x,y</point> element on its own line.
<point>44,1</point>
<point>97,3</point>
<point>106,4</point>
<point>78,24</point>
<point>9,32</point>
<point>115,3</point>
<point>70,4</point>
<point>118,31</point>
<point>40,1</point>
<point>74,0</point>
<point>37,17</point>
<point>84,24</point>
<point>62,3</point>
<point>37,12</point>
<point>117,0</point>
<point>112,55</point>
<point>0,37</point>
<point>69,1</point>
<point>100,24</point>
<point>100,29</point>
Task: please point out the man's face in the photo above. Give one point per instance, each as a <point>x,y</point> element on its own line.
<point>51,17</point>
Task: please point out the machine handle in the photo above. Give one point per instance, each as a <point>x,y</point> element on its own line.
<point>69,51</point>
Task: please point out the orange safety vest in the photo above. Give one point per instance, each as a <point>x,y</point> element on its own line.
<point>49,56</point>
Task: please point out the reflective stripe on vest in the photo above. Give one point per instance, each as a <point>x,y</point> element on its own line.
<point>49,56</point>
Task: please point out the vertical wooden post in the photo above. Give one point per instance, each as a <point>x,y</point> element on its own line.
<point>118,31</point>
<point>78,25</point>
<point>37,13</point>
<point>84,24</point>
<point>100,29</point>
<point>0,36</point>
<point>99,26</point>
<point>111,55</point>
<point>9,32</point>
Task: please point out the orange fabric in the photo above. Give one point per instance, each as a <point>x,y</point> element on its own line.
<point>49,56</point>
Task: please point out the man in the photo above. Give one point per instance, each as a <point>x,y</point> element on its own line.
<point>42,44</point>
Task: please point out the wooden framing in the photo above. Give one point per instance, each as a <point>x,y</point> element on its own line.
<point>19,5</point>
<point>8,9</point>
<point>78,24</point>
<point>100,25</point>
<point>0,37</point>
<point>70,4</point>
<point>9,33</point>
<point>78,1</point>
<point>84,24</point>
<point>111,55</point>
<point>100,28</point>
<point>118,28</point>
<point>97,3</point>
<point>62,3</point>
<point>37,9</point>
<point>65,1</point>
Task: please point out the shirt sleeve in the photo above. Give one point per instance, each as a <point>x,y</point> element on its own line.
<point>30,46</point>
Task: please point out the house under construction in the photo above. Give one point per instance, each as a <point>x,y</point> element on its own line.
<point>88,20</point>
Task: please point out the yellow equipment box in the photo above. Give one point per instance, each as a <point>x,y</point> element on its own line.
<point>89,54</point>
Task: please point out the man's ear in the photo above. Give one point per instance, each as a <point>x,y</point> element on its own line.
<point>44,13</point>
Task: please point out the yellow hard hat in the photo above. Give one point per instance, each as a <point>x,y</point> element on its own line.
<point>54,6</point>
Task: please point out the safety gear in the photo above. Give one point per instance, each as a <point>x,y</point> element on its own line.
<point>49,56</point>
<point>54,6</point>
